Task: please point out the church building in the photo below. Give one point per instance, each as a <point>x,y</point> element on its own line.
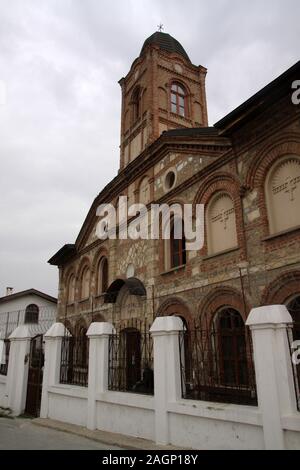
<point>245,170</point>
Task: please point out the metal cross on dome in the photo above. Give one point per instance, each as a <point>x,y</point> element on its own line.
<point>160,27</point>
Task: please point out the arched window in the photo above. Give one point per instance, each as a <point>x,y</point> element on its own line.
<point>177,244</point>
<point>282,190</point>
<point>294,309</point>
<point>144,192</point>
<point>31,314</point>
<point>102,275</point>
<point>136,104</point>
<point>231,348</point>
<point>221,224</point>
<point>178,99</point>
<point>71,289</point>
<point>85,283</point>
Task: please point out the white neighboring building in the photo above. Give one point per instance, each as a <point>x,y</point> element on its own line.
<point>28,306</point>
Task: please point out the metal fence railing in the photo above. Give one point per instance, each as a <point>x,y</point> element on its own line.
<point>39,321</point>
<point>293,337</point>
<point>9,321</point>
<point>130,367</point>
<point>5,358</point>
<point>217,364</point>
<point>74,360</point>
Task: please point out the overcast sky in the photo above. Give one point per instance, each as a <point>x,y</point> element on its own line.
<point>60,62</point>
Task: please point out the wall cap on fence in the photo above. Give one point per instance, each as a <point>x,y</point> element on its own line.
<point>21,332</point>
<point>100,329</point>
<point>167,325</point>
<point>269,316</point>
<point>57,330</point>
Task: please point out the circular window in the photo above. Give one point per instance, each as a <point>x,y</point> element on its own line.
<point>170,180</point>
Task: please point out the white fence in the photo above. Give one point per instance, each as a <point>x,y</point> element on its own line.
<point>166,418</point>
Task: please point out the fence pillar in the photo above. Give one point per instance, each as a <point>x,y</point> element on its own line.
<point>167,374</point>
<point>17,373</point>
<point>98,334</point>
<point>273,370</point>
<point>53,341</point>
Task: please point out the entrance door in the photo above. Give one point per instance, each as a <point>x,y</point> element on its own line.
<point>133,357</point>
<point>35,376</point>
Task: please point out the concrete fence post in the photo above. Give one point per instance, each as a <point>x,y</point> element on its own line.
<point>98,334</point>
<point>53,342</point>
<point>273,370</point>
<point>167,375</point>
<point>17,374</point>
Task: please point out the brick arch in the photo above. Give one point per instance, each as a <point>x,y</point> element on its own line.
<point>176,307</point>
<point>258,171</point>
<point>69,326</point>
<point>81,323</point>
<point>99,254</point>
<point>223,182</point>
<point>84,262</point>
<point>288,143</point>
<point>181,82</point>
<point>218,182</point>
<point>222,297</point>
<point>281,289</point>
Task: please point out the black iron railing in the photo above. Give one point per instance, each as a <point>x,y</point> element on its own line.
<point>294,343</point>
<point>130,366</point>
<point>217,365</point>
<point>4,366</point>
<point>74,360</point>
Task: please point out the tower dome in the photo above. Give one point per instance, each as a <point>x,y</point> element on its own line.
<point>166,43</point>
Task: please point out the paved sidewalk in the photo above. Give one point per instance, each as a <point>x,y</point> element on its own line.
<point>22,434</point>
<point>111,439</point>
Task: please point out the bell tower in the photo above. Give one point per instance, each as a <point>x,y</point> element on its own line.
<point>163,90</point>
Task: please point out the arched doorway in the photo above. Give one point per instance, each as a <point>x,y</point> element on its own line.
<point>130,345</point>
<point>230,340</point>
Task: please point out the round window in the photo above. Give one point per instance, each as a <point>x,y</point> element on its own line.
<point>170,180</point>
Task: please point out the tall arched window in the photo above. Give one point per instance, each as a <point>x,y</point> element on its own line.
<point>102,275</point>
<point>85,283</point>
<point>221,224</point>
<point>71,289</point>
<point>231,344</point>
<point>282,190</point>
<point>31,314</point>
<point>178,99</point>
<point>136,104</point>
<point>177,244</point>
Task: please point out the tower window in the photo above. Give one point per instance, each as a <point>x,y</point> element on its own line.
<point>178,100</point>
<point>136,104</point>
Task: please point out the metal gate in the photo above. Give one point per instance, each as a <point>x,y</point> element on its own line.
<point>35,376</point>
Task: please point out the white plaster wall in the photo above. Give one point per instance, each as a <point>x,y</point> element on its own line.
<point>132,415</point>
<point>68,404</point>
<point>292,440</point>
<point>213,434</point>
<point>21,303</point>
